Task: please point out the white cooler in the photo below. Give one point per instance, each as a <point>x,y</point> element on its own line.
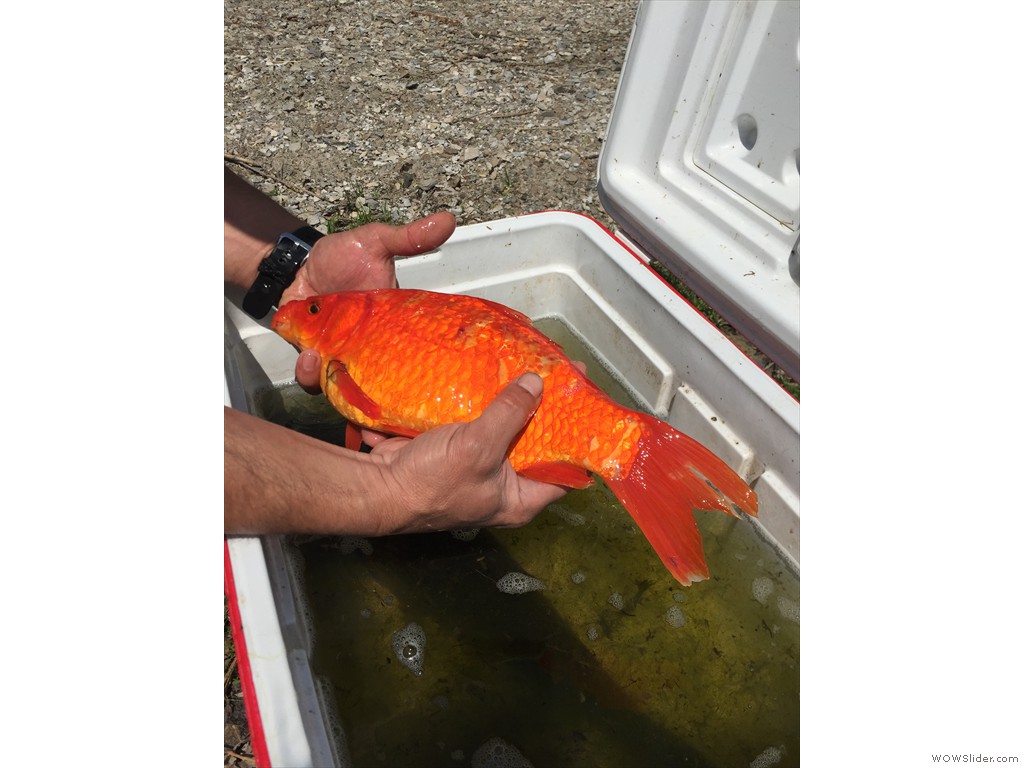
<point>701,170</point>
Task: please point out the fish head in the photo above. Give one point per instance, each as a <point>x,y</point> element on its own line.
<point>330,317</point>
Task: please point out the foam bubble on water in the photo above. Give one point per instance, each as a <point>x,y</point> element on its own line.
<point>761,588</point>
<point>789,609</point>
<point>516,583</point>
<point>679,596</point>
<point>458,754</point>
<point>771,756</point>
<point>579,577</point>
<point>593,632</point>
<point>409,644</point>
<point>674,616</point>
<point>349,544</point>
<point>366,613</point>
<point>615,600</point>
<point>498,753</point>
<point>465,534</point>
<point>572,518</point>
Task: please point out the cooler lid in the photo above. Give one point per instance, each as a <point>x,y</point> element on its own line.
<point>701,164</point>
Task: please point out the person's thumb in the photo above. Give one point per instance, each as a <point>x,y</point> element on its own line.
<point>307,371</point>
<point>418,236</point>
<point>508,413</point>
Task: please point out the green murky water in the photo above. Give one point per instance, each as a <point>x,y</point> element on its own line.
<point>612,664</point>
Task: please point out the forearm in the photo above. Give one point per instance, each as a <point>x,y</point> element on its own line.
<point>280,481</point>
<point>252,222</point>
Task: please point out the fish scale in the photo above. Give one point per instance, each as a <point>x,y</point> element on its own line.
<point>404,361</point>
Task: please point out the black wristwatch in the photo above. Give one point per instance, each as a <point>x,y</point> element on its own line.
<point>277,271</point>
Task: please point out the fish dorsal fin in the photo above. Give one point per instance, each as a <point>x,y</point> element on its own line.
<point>518,318</point>
<point>512,314</point>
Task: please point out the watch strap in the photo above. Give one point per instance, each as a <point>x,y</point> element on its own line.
<point>277,271</point>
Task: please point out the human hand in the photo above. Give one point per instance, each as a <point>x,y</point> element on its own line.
<point>360,259</point>
<point>457,475</point>
<point>363,258</point>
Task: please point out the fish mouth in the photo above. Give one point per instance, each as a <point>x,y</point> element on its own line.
<point>281,324</point>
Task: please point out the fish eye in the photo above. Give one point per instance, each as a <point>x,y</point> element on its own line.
<point>314,307</point>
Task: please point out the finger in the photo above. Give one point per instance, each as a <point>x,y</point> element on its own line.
<point>419,236</point>
<point>387,444</point>
<point>373,438</point>
<point>508,413</point>
<point>307,371</point>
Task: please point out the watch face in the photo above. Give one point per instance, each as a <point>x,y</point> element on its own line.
<point>304,236</point>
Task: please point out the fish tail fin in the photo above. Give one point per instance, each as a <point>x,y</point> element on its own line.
<point>671,476</point>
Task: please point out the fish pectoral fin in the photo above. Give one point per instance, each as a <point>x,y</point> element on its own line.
<point>338,377</point>
<point>558,473</point>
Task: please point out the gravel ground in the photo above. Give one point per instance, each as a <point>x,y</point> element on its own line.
<point>352,109</point>
<point>486,109</point>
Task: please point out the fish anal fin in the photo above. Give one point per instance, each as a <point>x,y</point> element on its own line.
<point>338,376</point>
<point>558,473</point>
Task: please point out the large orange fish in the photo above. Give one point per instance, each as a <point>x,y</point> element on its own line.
<point>403,361</point>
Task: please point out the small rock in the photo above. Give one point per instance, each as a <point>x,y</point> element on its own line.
<point>232,735</point>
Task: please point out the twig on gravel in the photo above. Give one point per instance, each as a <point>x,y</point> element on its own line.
<point>259,171</point>
<point>513,114</point>
<point>459,119</point>
<point>243,758</point>
<point>438,17</point>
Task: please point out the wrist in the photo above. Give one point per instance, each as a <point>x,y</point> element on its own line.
<point>411,503</point>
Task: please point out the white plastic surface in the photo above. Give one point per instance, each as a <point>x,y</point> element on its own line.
<point>701,162</point>
<point>276,636</point>
<point>277,689</point>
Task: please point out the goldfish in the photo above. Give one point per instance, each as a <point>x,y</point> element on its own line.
<point>402,361</point>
